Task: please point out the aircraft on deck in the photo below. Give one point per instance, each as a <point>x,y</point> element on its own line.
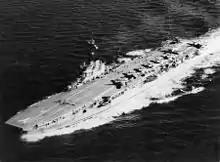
<point>155,61</point>
<point>129,76</point>
<point>147,65</point>
<point>196,45</point>
<point>116,83</point>
<point>137,70</point>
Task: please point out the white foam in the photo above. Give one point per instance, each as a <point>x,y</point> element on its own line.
<point>138,52</point>
<point>173,98</point>
<point>124,59</point>
<point>209,71</point>
<point>162,87</point>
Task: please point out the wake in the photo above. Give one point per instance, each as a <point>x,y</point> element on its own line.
<point>167,87</point>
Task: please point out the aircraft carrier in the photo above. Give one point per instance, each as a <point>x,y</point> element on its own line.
<point>99,85</point>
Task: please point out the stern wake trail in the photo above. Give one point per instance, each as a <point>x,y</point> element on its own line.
<point>161,88</point>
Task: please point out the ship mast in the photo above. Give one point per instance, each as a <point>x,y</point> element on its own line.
<point>92,47</point>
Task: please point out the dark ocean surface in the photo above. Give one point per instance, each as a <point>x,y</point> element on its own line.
<point>43,43</point>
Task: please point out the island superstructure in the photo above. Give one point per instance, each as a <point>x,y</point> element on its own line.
<point>94,92</point>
